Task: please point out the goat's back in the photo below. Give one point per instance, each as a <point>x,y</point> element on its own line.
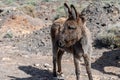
<point>57,27</point>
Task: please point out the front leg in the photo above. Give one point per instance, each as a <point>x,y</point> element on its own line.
<point>59,58</point>
<point>77,67</point>
<point>55,49</point>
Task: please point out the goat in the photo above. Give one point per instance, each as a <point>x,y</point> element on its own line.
<point>71,35</point>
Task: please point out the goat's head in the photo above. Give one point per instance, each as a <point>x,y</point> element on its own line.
<point>72,28</point>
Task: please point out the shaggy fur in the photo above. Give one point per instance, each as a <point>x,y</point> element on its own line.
<point>71,35</point>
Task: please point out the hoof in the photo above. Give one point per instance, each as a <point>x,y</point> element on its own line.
<point>54,74</point>
<point>60,76</point>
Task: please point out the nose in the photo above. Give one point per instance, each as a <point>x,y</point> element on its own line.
<point>61,43</point>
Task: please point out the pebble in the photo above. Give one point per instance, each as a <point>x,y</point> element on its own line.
<point>46,65</point>
<point>25,56</point>
<point>36,65</point>
<point>6,59</point>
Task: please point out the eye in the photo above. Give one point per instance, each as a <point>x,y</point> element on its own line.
<point>71,27</point>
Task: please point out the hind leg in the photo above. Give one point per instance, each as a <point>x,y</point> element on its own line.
<point>88,65</point>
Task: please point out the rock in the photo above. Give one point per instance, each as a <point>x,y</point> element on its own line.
<point>25,56</point>
<point>6,59</point>
<point>47,66</point>
<point>99,15</point>
<point>36,65</point>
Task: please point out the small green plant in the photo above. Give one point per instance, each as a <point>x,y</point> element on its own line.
<point>9,1</point>
<point>46,0</point>
<point>9,34</point>
<point>31,2</point>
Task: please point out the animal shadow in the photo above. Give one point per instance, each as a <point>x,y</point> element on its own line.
<point>110,58</point>
<point>35,73</point>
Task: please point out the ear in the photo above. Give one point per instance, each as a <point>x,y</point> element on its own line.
<point>67,10</point>
<point>74,12</point>
<point>82,17</point>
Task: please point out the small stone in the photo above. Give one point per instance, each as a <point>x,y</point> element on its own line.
<point>46,65</point>
<point>50,69</point>
<point>103,24</point>
<point>25,56</point>
<point>46,18</point>
<point>6,59</point>
<point>36,65</point>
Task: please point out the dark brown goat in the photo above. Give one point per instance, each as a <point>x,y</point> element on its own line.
<point>71,35</point>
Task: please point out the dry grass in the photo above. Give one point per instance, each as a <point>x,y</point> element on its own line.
<point>28,9</point>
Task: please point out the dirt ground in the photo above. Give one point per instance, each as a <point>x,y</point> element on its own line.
<point>25,42</point>
<point>20,65</point>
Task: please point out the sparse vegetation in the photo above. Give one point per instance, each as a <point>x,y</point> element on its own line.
<point>60,12</point>
<point>28,9</point>
<point>9,34</point>
<point>9,1</point>
<point>31,2</point>
<point>46,0</point>
<point>110,37</point>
